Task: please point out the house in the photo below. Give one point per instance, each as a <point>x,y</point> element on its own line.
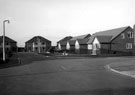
<point>61,45</point>
<point>78,44</point>
<point>114,41</point>
<point>10,47</point>
<point>71,46</point>
<point>10,44</point>
<point>81,46</point>
<point>37,44</point>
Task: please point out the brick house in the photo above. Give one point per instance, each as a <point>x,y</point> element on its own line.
<point>37,44</point>
<point>114,41</point>
<point>81,46</point>
<point>10,44</point>
<point>71,45</point>
<point>10,47</point>
<point>78,44</point>
<point>61,45</point>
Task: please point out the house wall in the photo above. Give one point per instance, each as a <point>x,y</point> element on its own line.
<point>72,48</point>
<point>59,46</point>
<point>28,47</point>
<point>48,45</point>
<point>83,49</point>
<point>38,46</point>
<point>118,45</point>
<point>77,47</point>
<point>13,46</point>
<point>9,46</point>
<point>89,46</point>
<point>63,47</point>
<point>67,46</point>
<point>105,48</point>
<point>96,46</point>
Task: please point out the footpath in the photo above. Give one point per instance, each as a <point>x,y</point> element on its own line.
<point>124,68</point>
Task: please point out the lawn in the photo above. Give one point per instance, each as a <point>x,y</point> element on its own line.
<point>123,66</point>
<point>12,61</point>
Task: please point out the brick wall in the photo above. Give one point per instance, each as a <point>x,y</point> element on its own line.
<point>118,45</point>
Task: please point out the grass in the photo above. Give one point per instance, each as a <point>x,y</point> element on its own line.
<point>12,61</point>
<point>123,66</point>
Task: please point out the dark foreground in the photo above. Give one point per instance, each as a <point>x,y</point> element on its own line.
<point>68,76</point>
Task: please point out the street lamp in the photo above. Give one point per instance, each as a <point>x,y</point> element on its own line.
<point>4,38</point>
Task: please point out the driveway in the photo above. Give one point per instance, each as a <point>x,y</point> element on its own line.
<point>78,76</point>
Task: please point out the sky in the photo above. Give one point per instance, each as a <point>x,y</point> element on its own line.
<point>55,19</point>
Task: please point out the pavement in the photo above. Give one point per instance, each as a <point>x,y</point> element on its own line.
<point>126,68</point>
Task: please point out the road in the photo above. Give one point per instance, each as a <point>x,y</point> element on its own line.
<point>71,76</point>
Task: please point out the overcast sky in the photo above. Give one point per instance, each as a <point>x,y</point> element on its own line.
<point>55,19</point>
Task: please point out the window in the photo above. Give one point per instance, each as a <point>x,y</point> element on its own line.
<point>89,46</point>
<point>36,48</point>
<point>122,36</point>
<point>128,45</point>
<point>7,43</point>
<point>130,35</point>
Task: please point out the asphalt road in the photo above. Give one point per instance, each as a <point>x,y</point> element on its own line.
<point>71,76</point>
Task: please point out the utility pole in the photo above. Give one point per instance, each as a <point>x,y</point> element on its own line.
<point>4,58</point>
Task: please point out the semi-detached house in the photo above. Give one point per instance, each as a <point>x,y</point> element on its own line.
<point>78,44</point>
<point>37,44</point>
<point>10,44</point>
<point>61,44</point>
<point>114,41</point>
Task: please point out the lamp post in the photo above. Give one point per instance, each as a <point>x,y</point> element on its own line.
<point>4,38</point>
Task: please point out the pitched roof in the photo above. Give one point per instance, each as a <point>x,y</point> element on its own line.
<point>63,43</point>
<point>104,39</point>
<point>72,42</point>
<point>7,39</point>
<point>82,41</point>
<point>34,39</point>
<point>81,37</point>
<point>113,32</point>
<point>91,39</point>
<point>67,38</point>
<point>108,35</point>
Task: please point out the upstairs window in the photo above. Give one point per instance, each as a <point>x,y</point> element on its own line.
<point>128,45</point>
<point>122,36</point>
<point>36,43</point>
<point>130,35</point>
